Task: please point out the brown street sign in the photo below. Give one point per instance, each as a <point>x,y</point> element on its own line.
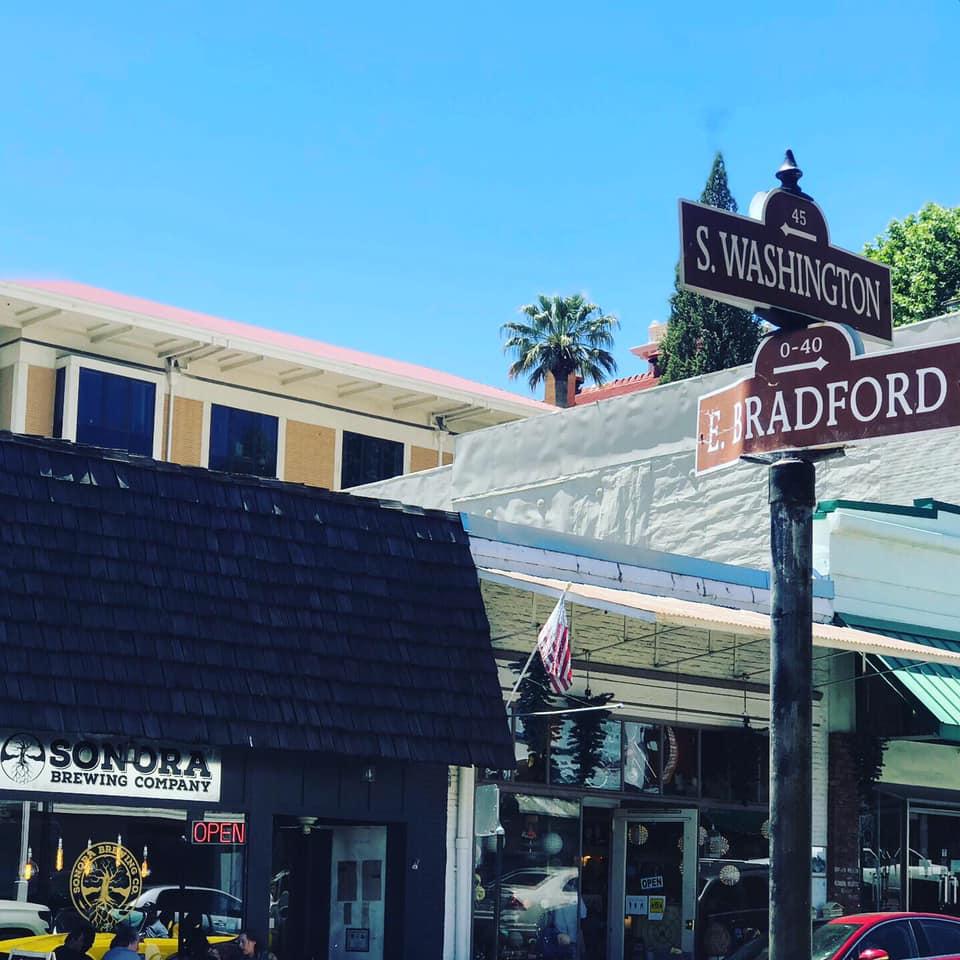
<point>809,388</point>
<point>783,261</point>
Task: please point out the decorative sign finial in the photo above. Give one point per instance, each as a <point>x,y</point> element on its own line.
<point>789,173</point>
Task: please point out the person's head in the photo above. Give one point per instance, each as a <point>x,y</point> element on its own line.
<point>81,937</point>
<point>126,936</point>
<point>250,943</point>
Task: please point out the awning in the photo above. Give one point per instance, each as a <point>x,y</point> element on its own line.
<point>744,623</point>
<point>937,684</point>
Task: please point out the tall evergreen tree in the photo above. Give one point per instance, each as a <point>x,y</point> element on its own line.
<point>704,335</point>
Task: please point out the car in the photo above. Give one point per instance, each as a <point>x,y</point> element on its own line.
<point>727,915</point>
<point>220,913</point>
<point>874,936</point>
<point>531,898</point>
<point>151,948</point>
<point>21,919</point>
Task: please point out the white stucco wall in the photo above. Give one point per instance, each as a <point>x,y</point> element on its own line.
<point>621,470</point>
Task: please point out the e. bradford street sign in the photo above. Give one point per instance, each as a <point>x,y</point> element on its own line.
<point>783,261</point>
<point>809,388</point>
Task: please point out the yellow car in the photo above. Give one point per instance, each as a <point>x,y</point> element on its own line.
<point>151,948</point>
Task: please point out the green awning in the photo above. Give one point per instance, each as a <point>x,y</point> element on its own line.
<point>935,685</point>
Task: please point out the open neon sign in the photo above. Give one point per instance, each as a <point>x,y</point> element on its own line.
<point>218,832</point>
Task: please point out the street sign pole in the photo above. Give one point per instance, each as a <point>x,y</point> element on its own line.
<point>792,499</point>
<point>790,413</point>
<point>792,496</point>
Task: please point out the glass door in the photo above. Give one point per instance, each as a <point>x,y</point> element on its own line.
<point>933,871</point>
<point>653,885</point>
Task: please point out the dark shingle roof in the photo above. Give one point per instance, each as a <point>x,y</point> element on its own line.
<point>148,600</point>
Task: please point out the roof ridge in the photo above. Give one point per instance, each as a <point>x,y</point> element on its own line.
<point>79,450</point>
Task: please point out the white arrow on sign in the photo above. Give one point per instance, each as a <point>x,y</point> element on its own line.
<point>817,364</point>
<point>787,230</point>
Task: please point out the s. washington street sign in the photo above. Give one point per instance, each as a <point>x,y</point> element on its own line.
<point>810,388</point>
<point>783,261</point>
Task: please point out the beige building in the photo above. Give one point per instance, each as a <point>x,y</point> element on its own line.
<point>116,371</point>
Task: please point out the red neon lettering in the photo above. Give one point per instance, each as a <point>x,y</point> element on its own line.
<point>219,831</point>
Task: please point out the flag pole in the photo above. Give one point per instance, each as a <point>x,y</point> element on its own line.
<point>536,646</point>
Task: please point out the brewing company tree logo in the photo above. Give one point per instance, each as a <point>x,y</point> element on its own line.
<point>104,883</point>
<point>22,757</point>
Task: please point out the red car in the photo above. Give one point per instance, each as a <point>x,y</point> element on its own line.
<point>887,936</point>
<point>876,936</point>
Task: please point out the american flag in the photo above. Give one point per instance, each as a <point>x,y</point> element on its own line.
<point>553,642</point>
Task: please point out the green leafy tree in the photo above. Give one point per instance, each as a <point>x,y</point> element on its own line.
<point>923,253</point>
<point>563,335</point>
<point>704,335</point>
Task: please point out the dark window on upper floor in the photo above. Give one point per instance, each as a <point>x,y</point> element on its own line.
<point>243,442</point>
<point>60,383</point>
<point>368,459</point>
<point>113,411</point>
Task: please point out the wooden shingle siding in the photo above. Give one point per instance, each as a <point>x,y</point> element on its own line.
<point>209,608</point>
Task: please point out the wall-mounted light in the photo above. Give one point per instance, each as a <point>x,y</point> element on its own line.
<point>59,860</point>
<point>119,854</point>
<point>145,866</point>
<point>369,773</point>
<point>87,860</point>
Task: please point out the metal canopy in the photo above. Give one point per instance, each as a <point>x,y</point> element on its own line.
<point>744,623</point>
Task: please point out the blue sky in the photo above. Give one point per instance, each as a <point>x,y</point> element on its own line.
<point>399,178</point>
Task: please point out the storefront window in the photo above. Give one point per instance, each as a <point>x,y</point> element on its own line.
<point>641,757</point>
<point>585,751</point>
<point>106,864</point>
<point>681,762</point>
<point>734,763</point>
<point>531,736</point>
<point>881,855</point>
<point>533,872</point>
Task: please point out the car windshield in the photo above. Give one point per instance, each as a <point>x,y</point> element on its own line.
<point>827,938</point>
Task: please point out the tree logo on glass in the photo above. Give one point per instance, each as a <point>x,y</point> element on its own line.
<point>104,882</point>
<point>22,757</point>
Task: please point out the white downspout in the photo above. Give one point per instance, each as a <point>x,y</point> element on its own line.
<point>464,862</point>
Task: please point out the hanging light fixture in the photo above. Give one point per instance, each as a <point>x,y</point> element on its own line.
<point>145,865</point>
<point>730,875</point>
<point>29,867</point>
<point>719,845</point>
<point>638,835</point>
<point>59,860</point>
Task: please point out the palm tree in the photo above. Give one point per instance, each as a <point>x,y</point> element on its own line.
<point>564,335</point>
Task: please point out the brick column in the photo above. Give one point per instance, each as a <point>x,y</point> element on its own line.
<point>843,823</point>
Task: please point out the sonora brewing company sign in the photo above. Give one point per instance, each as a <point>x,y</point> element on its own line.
<point>112,767</point>
<point>810,388</point>
<point>783,261</point>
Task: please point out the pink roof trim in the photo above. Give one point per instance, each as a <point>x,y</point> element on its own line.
<point>275,338</point>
